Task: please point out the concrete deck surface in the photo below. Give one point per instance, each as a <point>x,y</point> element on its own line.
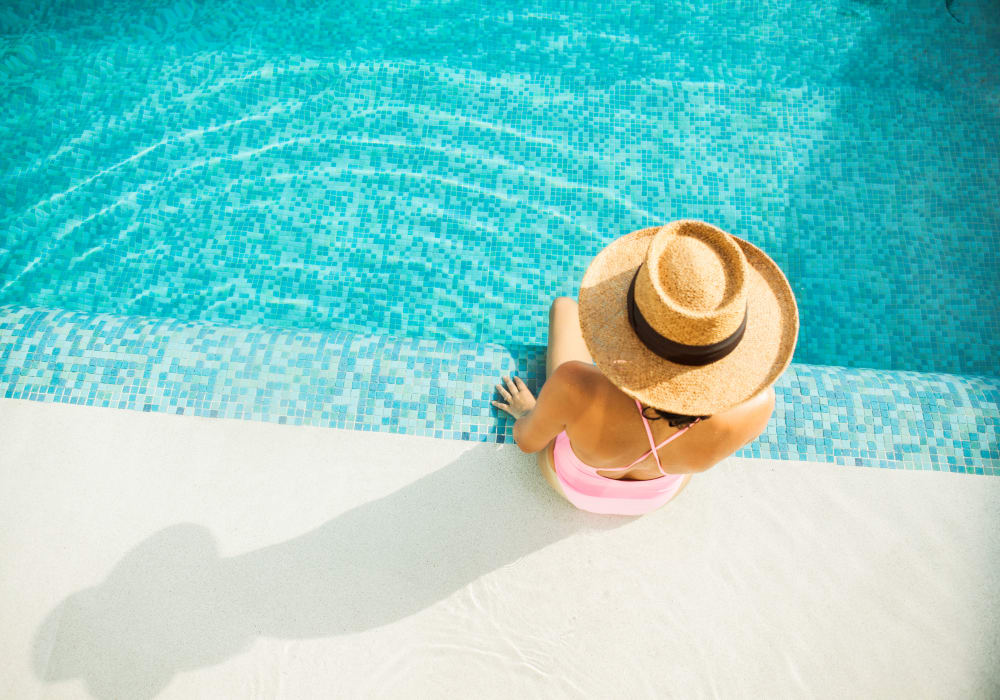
<point>149,555</point>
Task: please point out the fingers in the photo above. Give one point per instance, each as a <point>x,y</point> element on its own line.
<point>511,385</point>
<point>514,386</point>
<point>503,407</point>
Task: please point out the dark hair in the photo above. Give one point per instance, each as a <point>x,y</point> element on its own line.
<point>676,420</point>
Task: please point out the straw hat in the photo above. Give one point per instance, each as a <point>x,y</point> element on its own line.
<point>713,319</point>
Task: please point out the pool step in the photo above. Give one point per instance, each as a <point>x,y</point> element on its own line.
<point>899,420</point>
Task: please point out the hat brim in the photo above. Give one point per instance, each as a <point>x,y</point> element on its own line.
<point>762,355</point>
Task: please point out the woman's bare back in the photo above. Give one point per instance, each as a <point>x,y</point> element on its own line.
<point>608,431</point>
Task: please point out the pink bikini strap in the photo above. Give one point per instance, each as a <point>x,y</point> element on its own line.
<point>655,447</point>
<point>649,434</point>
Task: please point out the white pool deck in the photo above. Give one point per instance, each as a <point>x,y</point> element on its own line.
<point>150,555</point>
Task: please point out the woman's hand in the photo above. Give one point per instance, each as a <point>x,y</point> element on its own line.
<point>519,398</point>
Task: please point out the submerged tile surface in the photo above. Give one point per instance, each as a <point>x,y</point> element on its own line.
<point>444,170</point>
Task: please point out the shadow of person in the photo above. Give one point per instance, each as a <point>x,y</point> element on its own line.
<point>173,604</point>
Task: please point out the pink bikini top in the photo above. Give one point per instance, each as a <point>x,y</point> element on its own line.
<point>653,448</point>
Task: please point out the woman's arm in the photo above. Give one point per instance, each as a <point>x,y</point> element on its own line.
<point>558,403</point>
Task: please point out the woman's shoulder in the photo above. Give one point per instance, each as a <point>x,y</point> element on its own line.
<point>578,376</point>
<point>745,422</point>
<point>725,433</point>
<point>576,368</point>
<point>755,412</point>
<point>577,387</point>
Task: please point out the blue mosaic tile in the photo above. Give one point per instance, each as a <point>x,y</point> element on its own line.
<point>873,418</point>
<point>443,171</point>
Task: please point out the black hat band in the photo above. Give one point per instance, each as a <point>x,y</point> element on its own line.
<point>680,353</point>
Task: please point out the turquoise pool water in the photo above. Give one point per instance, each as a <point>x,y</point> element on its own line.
<point>442,170</point>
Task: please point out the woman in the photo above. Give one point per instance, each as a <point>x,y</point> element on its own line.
<point>684,324</point>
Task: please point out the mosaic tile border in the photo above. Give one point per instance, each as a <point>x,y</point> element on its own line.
<point>895,420</point>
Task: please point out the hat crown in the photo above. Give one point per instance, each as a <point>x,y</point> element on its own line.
<point>692,288</point>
